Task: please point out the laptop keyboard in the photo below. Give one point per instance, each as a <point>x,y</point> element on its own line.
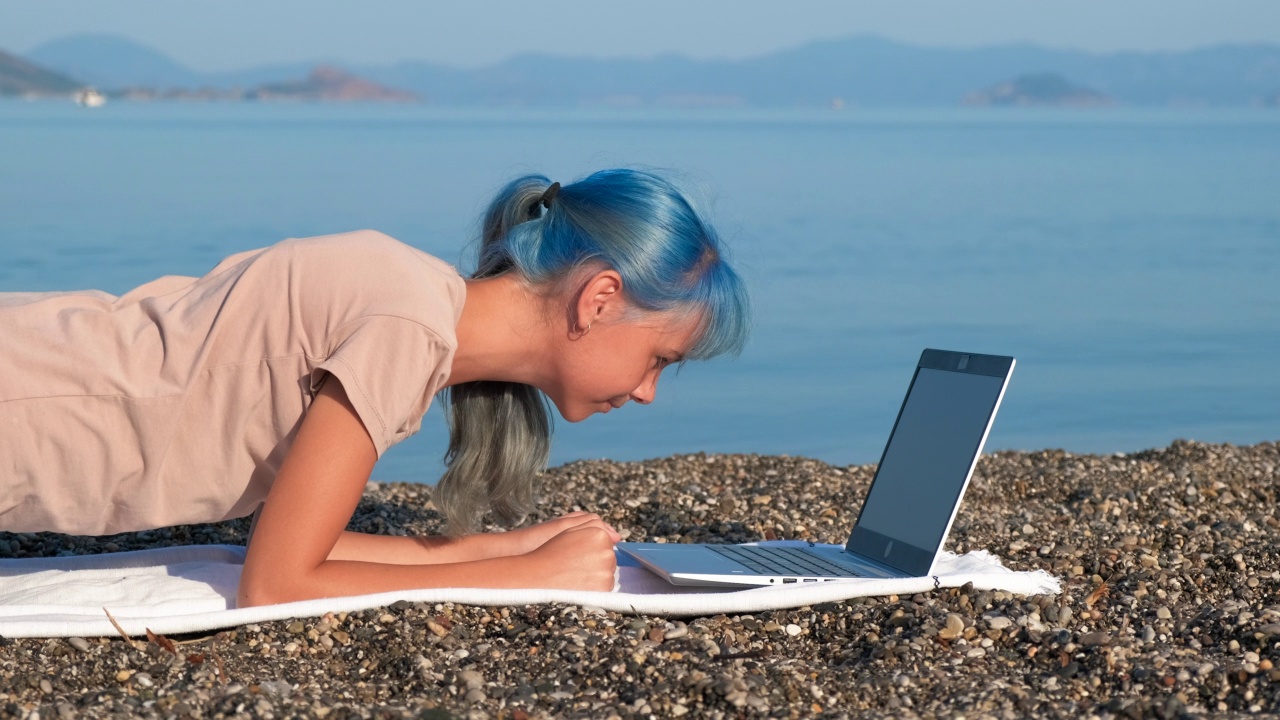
<point>782,561</point>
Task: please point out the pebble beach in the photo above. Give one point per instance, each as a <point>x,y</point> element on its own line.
<point>1169,558</point>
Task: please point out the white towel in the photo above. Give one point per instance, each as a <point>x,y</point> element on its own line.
<point>193,588</point>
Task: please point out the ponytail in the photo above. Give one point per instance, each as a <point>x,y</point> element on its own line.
<point>499,432</point>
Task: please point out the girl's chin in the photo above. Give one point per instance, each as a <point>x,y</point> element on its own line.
<point>577,415</point>
<point>582,412</point>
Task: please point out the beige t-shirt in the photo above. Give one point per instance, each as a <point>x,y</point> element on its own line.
<point>176,402</point>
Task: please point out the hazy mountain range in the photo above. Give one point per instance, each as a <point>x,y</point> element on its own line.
<point>19,77</point>
<point>857,71</point>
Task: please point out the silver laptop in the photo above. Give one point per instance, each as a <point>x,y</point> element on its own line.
<point>923,473</point>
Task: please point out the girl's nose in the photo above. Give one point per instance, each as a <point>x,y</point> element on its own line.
<point>647,390</point>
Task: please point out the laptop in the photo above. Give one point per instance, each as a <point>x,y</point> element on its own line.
<point>934,446</point>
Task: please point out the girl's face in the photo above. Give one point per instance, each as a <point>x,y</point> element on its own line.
<point>618,360</point>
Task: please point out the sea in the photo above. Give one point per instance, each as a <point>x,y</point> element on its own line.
<point>1128,258</point>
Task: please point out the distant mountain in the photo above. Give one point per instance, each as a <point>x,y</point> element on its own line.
<point>19,77</point>
<point>1040,90</point>
<point>858,71</point>
<point>111,61</point>
<point>330,84</point>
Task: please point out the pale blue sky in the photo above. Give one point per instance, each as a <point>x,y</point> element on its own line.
<point>233,34</point>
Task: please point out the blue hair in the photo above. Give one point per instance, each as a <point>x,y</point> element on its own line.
<point>670,260</point>
<point>634,222</point>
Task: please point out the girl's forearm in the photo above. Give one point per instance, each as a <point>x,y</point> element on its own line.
<point>337,578</point>
<point>421,550</point>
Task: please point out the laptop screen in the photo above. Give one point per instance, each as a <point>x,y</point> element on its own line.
<point>928,460</point>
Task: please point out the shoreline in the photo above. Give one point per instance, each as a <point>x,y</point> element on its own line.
<point>1170,561</point>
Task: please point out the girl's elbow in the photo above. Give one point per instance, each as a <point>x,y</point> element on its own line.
<point>253,593</point>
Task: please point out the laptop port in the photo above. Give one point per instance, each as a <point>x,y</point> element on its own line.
<point>811,579</point>
<point>788,580</point>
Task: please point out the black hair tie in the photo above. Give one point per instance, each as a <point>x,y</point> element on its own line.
<point>544,200</point>
<point>549,194</point>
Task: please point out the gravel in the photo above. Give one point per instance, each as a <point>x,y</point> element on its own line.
<point>1171,608</point>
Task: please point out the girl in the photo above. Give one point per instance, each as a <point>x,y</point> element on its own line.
<point>274,383</point>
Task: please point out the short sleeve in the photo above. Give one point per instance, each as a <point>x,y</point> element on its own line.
<point>390,368</point>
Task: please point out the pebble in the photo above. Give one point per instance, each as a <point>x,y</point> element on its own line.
<point>79,643</point>
<point>1270,630</point>
<point>471,679</point>
<point>954,627</point>
<point>1095,639</point>
<point>793,629</point>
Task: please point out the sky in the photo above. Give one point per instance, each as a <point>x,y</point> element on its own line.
<point>232,34</point>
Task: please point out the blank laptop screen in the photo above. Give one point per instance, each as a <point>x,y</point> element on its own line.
<point>924,468</point>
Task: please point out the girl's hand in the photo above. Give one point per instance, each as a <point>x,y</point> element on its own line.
<point>580,558</point>
<point>527,539</point>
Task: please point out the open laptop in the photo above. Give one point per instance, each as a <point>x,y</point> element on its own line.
<point>923,473</point>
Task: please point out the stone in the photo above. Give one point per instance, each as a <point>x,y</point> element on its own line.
<point>471,679</point>
<point>998,622</point>
<point>953,629</point>
<point>1095,639</point>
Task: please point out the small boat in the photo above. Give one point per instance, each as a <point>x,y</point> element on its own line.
<point>88,97</point>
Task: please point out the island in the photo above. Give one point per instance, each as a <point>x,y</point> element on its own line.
<point>326,83</point>
<point>22,78</point>
<point>322,84</point>
<point>1037,90</point>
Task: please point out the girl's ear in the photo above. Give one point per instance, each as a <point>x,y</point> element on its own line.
<point>600,297</point>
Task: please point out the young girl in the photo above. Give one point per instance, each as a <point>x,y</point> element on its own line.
<point>274,383</point>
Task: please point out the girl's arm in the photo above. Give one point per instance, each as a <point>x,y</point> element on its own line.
<point>291,553</point>
<point>434,549</point>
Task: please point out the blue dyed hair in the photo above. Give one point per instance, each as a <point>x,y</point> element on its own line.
<point>670,261</point>
<point>634,222</point>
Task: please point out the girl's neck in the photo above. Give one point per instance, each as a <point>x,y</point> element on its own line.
<point>503,334</point>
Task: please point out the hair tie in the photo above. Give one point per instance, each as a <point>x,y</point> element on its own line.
<point>549,194</point>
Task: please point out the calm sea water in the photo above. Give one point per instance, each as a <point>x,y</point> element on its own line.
<point>1127,259</point>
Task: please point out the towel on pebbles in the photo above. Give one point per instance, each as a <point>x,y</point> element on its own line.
<point>193,588</point>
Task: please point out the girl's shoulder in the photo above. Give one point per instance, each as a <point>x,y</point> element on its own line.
<point>360,249</point>
<point>365,273</point>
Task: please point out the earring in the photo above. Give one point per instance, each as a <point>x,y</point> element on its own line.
<point>582,333</point>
